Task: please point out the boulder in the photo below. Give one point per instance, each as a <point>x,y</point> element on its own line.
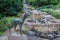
<point>31,33</point>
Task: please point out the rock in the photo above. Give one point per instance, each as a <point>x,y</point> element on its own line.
<point>58,35</point>
<point>59,32</point>
<point>50,35</point>
<point>24,37</point>
<point>4,38</point>
<point>43,35</point>
<point>57,38</point>
<point>37,34</point>
<point>17,37</point>
<point>31,33</point>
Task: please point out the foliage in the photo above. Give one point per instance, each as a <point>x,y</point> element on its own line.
<point>3,25</point>
<point>39,3</point>
<point>8,19</point>
<point>0,33</point>
<point>10,7</point>
<point>53,12</point>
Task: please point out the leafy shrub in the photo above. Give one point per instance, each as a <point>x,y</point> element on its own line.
<point>55,13</point>
<point>3,25</point>
<point>9,19</point>
<point>0,33</point>
<point>42,2</point>
<point>10,7</point>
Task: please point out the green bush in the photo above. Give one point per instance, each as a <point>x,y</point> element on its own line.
<point>0,33</point>
<point>53,12</point>
<point>10,7</point>
<point>42,2</point>
<point>3,25</point>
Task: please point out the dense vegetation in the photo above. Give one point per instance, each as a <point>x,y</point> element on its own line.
<point>53,12</point>
<point>39,3</point>
<point>9,9</point>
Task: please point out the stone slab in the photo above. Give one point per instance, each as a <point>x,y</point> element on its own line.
<point>4,38</point>
<point>15,36</point>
